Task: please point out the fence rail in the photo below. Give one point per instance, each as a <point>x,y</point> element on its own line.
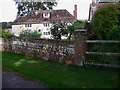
<point>102,41</point>
<point>103,53</point>
<point>105,65</point>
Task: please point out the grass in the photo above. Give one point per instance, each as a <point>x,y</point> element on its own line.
<point>114,60</point>
<point>56,75</point>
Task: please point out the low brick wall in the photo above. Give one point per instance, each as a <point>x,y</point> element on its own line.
<point>64,51</point>
<point>56,50</point>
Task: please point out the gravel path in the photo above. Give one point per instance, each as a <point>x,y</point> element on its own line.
<point>11,80</point>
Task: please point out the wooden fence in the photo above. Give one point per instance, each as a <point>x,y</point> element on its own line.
<point>104,53</point>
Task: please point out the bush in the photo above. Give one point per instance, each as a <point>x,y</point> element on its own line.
<point>5,34</point>
<point>77,25</point>
<point>33,34</point>
<point>58,30</point>
<point>105,22</point>
<point>114,34</point>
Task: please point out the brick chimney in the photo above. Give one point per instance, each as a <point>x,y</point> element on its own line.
<point>75,11</point>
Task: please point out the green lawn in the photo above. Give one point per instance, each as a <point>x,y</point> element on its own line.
<point>57,75</point>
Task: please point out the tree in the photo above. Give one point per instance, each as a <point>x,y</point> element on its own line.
<point>25,7</point>
<point>4,25</point>
<point>79,24</point>
<point>58,30</point>
<point>9,24</point>
<point>104,21</point>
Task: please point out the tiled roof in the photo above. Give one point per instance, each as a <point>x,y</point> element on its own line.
<point>55,15</point>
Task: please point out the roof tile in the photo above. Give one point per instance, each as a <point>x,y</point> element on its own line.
<point>56,15</point>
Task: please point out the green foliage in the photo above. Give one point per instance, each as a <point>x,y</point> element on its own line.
<point>105,25</point>
<point>79,24</point>
<point>104,22</point>
<point>114,34</point>
<point>71,30</point>
<point>114,60</point>
<point>29,33</point>
<point>26,7</point>
<point>104,47</point>
<point>55,75</point>
<point>58,30</point>
<point>6,25</point>
<point>0,32</point>
<point>5,34</point>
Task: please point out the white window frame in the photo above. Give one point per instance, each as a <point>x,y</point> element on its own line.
<point>28,25</point>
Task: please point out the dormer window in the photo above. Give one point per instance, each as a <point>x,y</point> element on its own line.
<point>46,15</point>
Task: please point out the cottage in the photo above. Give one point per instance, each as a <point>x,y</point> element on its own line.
<point>42,21</point>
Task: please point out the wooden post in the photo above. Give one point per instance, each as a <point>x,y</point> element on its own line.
<point>80,47</point>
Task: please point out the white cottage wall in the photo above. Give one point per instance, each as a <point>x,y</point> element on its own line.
<point>17,28</point>
<point>45,30</point>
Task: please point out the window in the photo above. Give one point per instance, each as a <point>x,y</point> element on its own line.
<point>46,14</point>
<point>46,24</point>
<point>28,25</point>
<point>46,33</point>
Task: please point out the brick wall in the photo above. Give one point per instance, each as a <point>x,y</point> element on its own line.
<point>64,51</point>
<point>56,50</point>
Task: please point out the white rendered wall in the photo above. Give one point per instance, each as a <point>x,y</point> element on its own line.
<point>16,29</point>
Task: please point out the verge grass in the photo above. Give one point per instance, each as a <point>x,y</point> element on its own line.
<point>56,75</point>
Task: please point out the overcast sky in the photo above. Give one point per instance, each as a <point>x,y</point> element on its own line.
<point>8,9</point>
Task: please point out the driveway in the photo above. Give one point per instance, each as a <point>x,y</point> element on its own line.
<point>11,80</point>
